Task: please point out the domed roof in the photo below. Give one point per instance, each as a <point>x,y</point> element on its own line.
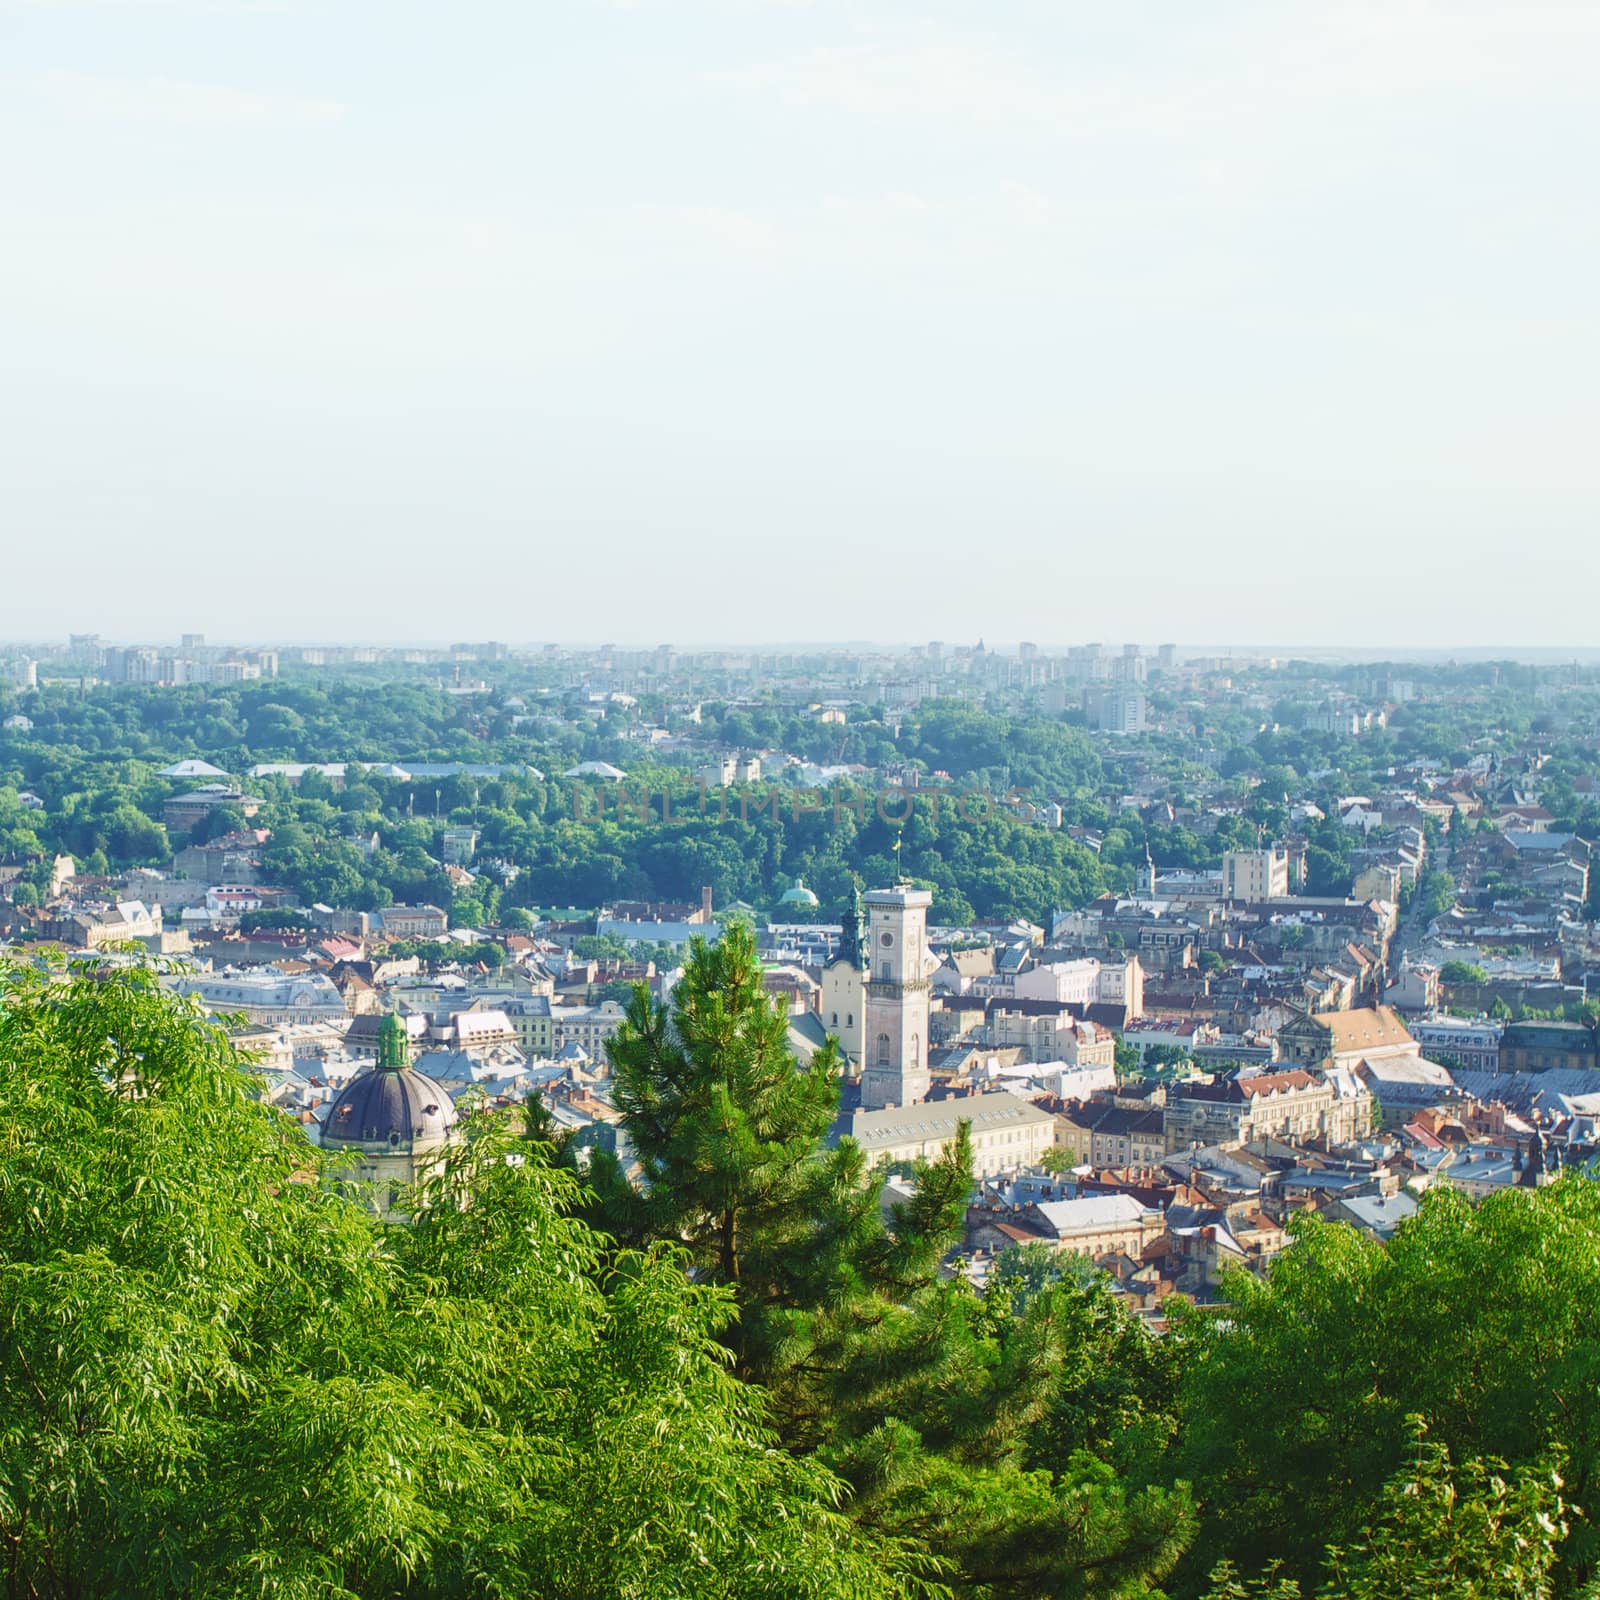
<point>799,895</point>
<point>392,1106</point>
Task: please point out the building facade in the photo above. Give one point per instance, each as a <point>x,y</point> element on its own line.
<point>264,995</point>
<point>1539,1046</point>
<point>1096,1225</point>
<point>1472,1044</point>
<point>894,1070</point>
<point>1294,1106</point>
<point>1008,1132</point>
<point>1255,874</point>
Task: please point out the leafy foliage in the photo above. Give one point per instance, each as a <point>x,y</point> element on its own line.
<point>1478,1532</point>
<point>220,1376</point>
<point>1295,1404</point>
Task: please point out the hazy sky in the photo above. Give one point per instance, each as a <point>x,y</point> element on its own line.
<point>743,319</point>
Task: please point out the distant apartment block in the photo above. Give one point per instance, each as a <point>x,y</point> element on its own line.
<point>1117,710</point>
<point>1254,875</point>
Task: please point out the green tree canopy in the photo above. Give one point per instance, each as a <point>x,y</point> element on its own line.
<point>1480,1531</point>
<point>220,1376</point>
<point>1350,1338</point>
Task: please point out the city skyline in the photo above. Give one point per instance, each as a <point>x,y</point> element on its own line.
<point>190,639</point>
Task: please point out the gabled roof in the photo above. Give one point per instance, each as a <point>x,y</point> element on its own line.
<point>192,768</point>
<point>1367,1029</point>
<point>1275,1082</point>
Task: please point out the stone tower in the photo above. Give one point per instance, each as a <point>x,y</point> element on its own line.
<point>894,1069</point>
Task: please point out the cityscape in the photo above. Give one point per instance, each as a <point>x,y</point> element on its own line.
<point>1113,982</point>
<point>798,800</point>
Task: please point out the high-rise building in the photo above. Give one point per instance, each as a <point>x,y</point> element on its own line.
<point>1117,710</point>
<point>895,1071</point>
<point>1131,666</point>
<point>1255,874</point>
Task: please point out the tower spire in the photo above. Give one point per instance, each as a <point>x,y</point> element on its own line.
<point>394,1046</point>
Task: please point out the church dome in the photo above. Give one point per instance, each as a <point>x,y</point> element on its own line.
<point>392,1105</point>
<point>798,895</point>
<point>397,1109</point>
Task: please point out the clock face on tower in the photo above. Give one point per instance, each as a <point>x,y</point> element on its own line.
<point>888,939</point>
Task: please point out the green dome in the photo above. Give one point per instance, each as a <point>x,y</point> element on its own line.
<point>799,895</point>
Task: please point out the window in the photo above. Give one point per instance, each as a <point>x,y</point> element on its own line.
<point>916,1051</point>
<point>835,1022</point>
<point>850,1019</point>
<point>883,1049</point>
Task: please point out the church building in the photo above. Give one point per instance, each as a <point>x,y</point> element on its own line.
<point>394,1121</point>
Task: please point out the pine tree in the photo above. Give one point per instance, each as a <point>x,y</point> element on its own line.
<point>916,1390</point>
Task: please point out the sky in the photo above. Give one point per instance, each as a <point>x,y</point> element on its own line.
<point>761,320</point>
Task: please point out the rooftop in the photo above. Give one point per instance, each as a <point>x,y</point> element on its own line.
<point>1367,1029</point>
<point>938,1119</point>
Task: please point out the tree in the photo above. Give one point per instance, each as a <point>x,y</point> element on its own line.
<point>914,1390</point>
<point>1436,894</point>
<point>1462,972</point>
<point>221,1376</point>
<point>1026,1270</point>
<point>276,920</point>
<point>725,1128</point>
<point>1351,1338</point>
<point>218,823</point>
<point>1480,1531</point>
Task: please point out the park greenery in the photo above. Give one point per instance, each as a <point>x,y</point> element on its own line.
<point>221,1375</point>
<point>88,761</point>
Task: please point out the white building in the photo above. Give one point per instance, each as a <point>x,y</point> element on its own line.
<point>1084,982</point>
<point>1117,710</point>
<point>1098,1224</point>
<point>264,994</point>
<point>844,1004</point>
<point>1007,1132</point>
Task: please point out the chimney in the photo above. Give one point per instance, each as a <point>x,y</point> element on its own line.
<point>705,903</point>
